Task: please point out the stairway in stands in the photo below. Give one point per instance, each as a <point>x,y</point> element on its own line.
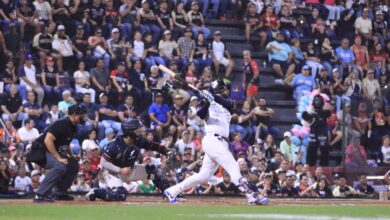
<point>278,97</point>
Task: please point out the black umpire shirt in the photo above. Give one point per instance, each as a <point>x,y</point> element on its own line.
<point>63,130</point>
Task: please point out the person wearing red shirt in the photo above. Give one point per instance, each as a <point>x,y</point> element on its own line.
<point>250,77</point>
<point>120,79</point>
<point>361,53</point>
<point>271,25</point>
<point>378,58</point>
<point>94,159</point>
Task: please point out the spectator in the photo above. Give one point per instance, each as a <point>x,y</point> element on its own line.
<point>302,83</point>
<point>280,57</point>
<point>353,85</point>
<point>334,10</point>
<point>287,147</point>
<point>384,154</point>
<point>362,123</point>
<point>137,81</point>
<point>164,18</point>
<point>196,20</point>
<point>288,189</point>
<point>160,116</point>
<point>29,80</point>
<point>33,110</point>
<point>185,144</point>
<point>147,186</point>
<point>152,54</point>
<point>363,25</point>
<point>179,114</point>
<point>107,115</point>
<point>153,79</point>
<point>326,56</point>
<point>83,82</point>
<point>120,79</point>
<point>148,21</point>
<point>247,122</point>
<point>22,181</point>
<point>51,82</point>
<point>27,134</point>
<point>238,145</point>
<point>94,158</point>
<point>45,14</point>
<point>271,25</point>
<point>250,77</point>
<point>202,53</point>
<point>128,108</point>
<point>304,190</point>
<point>128,12</point>
<point>288,24</point>
<point>8,76</point>
<point>67,100</point>
<point>345,57</point>
<point>378,59</point>
<point>53,115</point>
<point>193,119</point>
<point>252,21</point>
<point>226,186</point>
<point>90,142</point>
<point>361,53</point>
<point>312,60</point>
<point>112,19</point>
<point>27,16</point>
<point>168,48</point>
<point>99,47</point>
<point>7,138</point>
<point>5,177</point>
<point>363,188</point>
<point>100,77</point>
<point>62,45</point>
<point>110,134</point>
<point>179,18</point>
<point>264,125</point>
<point>187,48</point>
<point>11,105</point>
<point>338,88</point>
<point>221,55</point>
<point>343,190</point>
<point>371,87</point>
<point>117,47</point>
<point>80,44</point>
<point>96,14</point>
<point>191,74</point>
<point>267,187</point>
<point>35,182</point>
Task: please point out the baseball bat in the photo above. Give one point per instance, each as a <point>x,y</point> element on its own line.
<point>174,75</point>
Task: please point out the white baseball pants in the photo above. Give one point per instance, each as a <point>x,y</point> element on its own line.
<point>216,153</point>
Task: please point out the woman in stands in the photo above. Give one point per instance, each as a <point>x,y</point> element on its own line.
<point>83,81</point>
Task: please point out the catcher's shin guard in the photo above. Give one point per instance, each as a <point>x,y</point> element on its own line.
<point>116,194</point>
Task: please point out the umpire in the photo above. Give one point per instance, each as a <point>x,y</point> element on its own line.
<point>57,156</point>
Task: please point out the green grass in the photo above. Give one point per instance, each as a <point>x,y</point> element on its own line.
<point>182,212</point>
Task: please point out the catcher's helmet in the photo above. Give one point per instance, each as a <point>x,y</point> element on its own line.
<point>129,125</point>
<point>218,86</point>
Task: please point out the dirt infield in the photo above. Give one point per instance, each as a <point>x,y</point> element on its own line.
<point>208,201</point>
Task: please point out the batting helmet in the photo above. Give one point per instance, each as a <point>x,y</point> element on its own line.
<point>129,125</point>
<point>218,86</point>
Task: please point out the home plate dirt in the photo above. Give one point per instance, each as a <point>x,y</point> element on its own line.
<point>206,201</point>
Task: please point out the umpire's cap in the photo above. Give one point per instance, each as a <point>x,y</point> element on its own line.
<point>129,125</point>
<point>76,109</point>
<point>218,86</point>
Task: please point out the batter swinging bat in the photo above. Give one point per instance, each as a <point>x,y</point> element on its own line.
<point>174,75</point>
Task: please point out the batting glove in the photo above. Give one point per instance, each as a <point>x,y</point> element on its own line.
<point>206,95</point>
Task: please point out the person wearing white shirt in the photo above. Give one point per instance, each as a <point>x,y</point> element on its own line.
<point>27,133</point>
<point>218,53</point>
<point>28,78</point>
<point>21,180</point>
<point>185,143</point>
<point>83,81</point>
<point>363,25</point>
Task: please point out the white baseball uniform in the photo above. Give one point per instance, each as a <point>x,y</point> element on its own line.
<point>216,150</point>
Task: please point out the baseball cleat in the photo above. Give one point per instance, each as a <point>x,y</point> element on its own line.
<point>170,198</point>
<point>42,199</point>
<point>258,201</point>
<point>90,196</point>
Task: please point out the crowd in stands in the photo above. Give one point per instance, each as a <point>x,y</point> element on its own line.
<point>105,54</point>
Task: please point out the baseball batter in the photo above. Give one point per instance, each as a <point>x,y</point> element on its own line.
<point>216,111</point>
<point>118,163</point>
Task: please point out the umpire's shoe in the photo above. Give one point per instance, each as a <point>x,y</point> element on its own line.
<point>42,199</point>
<point>64,197</point>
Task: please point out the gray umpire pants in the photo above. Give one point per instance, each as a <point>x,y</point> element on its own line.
<point>60,176</point>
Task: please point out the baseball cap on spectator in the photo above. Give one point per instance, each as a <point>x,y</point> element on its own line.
<point>103,94</point>
<point>336,176</point>
<point>159,94</point>
<point>115,30</point>
<point>379,12</point>
<point>332,102</point>
<point>217,33</point>
<point>287,134</point>
<point>185,132</point>
<point>194,98</point>
<point>35,172</point>
<point>28,57</point>
<point>49,59</point>
<point>194,3</point>
<point>94,147</point>
<point>305,67</point>
<point>370,71</point>
<point>61,28</point>
<point>121,63</point>
<point>186,30</point>
<point>144,1</point>
<point>365,9</point>
<point>146,158</point>
<point>289,174</point>
<point>108,131</point>
<point>12,24</point>
<point>335,70</point>
<point>267,175</point>
<point>80,27</point>
<point>178,96</point>
<point>166,32</point>
<point>259,141</point>
<point>86,161</point>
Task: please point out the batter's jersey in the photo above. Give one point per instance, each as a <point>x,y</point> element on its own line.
<point>218,120</point>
